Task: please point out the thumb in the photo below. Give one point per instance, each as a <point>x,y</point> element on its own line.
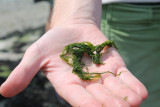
<point>21,76</point>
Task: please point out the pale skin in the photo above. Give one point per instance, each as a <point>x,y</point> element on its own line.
<point>77,21</point>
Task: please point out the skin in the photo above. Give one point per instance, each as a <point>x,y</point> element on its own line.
<point>71,24</point>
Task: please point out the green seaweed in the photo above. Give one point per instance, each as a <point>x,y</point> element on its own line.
<point>73,53</point>
<point>125,98</point>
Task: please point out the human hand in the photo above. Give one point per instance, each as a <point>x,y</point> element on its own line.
<point>45,53</point>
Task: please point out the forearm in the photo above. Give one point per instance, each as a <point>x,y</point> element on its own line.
<point>76,12</point>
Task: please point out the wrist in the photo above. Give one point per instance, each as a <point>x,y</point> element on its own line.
<point>76,12</point>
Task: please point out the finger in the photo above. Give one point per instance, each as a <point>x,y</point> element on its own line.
<point>78,96</point>
<point>132,82</point>
<point>22,74</point>
<point>105,96</point>
<point>71,88</point>
<point>118,88</point>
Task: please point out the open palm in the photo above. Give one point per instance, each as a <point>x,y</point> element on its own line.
<point>45,53</point>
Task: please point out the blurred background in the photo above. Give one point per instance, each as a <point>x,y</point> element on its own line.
<point>21,23</point>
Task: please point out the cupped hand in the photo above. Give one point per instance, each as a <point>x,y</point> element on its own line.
<point>109,90</point>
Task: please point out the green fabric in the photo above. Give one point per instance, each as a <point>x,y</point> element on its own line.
<point>135,29</point>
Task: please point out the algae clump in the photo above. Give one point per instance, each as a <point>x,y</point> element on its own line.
<point>73,53</point>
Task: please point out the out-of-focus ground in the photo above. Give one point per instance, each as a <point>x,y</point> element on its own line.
<point>18,15</point>
<point>21,23</point>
